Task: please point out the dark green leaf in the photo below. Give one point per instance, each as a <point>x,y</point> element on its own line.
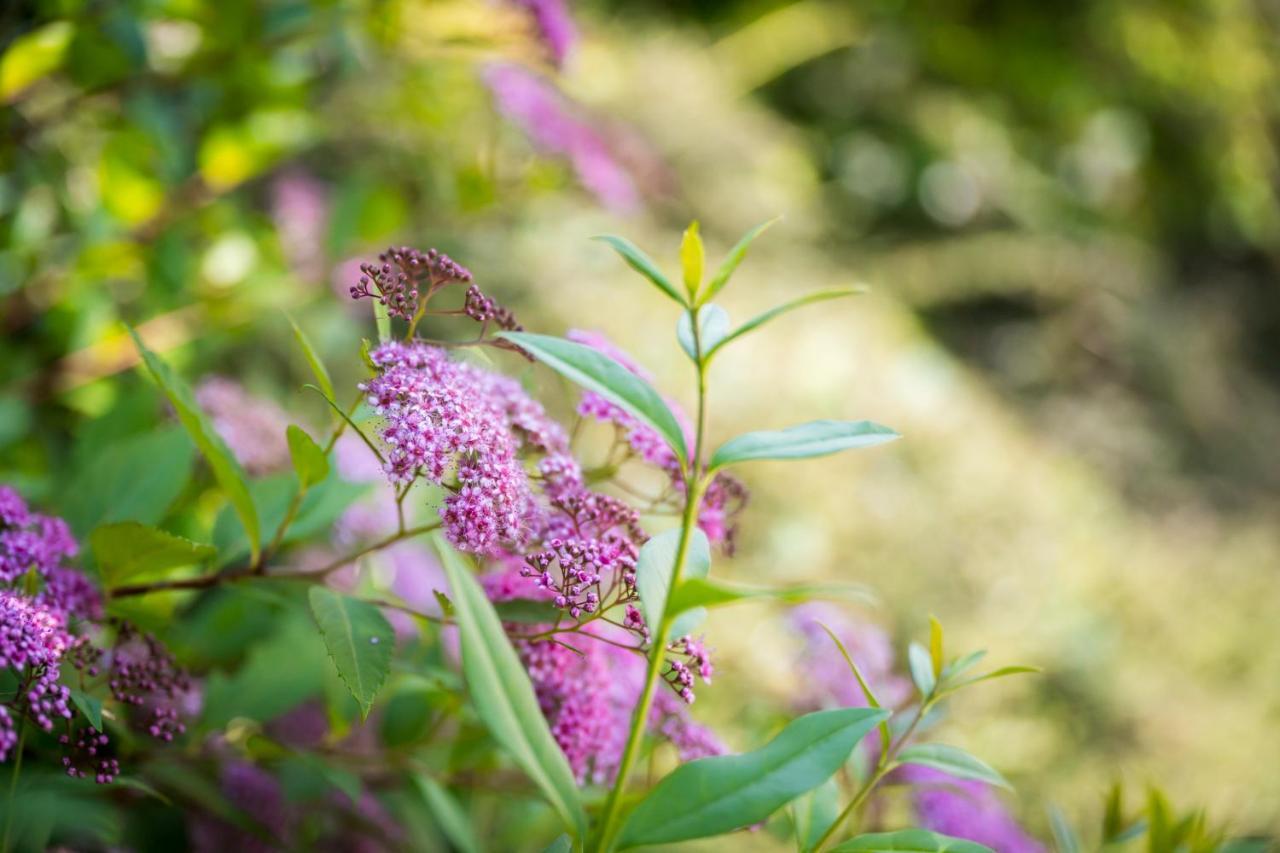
<point>309,461</point>
<point>760,319</point>
<point>656,565</point>
<point>712,796</point>
<point>921,667</point>
<point>90,706</point>
<point>136,478</point>
<point>712,592</point>
<point>127,549</point>
<point>813,813</point>
<point>359,639</point>
<point>318,369</point>
<point>527,611</point>
<point>713,325</point>
<point>733,259</point>
<point>225,468</point>
<point>595,371</point>
<point>453,821</point>
<point>641,263</point>
<point>954,761</point>
<point>909,841</point>
<point>562,844</point>
<point>503,696</point>
<point>803,441</point>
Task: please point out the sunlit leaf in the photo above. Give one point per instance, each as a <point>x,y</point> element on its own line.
<point>641,263</point>
<point>804,441</point>
<point>128,549</point>
<point>732,260</point>
<point>935,646</point>
<point>715,795</point>
<point>32,56</point>
<point>503,696</point>
<point>360,641</point>
<point>692,258</point>
<point>309,460</point>
<point>596,372</point>
<point>318,370</point>
<point>954,761</point>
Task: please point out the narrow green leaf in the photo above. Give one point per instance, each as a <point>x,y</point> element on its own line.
<point>360,641</point>
<point>909,841</point>
<point>712,796</point>
<point>1064,837</point>
<point>382,319</point>
<point>921,667</point>
<point>1002,672</point>
<point>935,646</point>
<point>961,665</point>
<point>813,813</point>
<point>141,787</point>
<point>225,468</point>
<point>89,706</point>
<point>733,259</point>
<point>773,313</point>
<point>641,263</point>
<point>712,592</point>
<point>692,258</point>
<point>318,370</point>
<point>655,568</point>
<point>952,760</point>
<point>562,844</point>
<point>803,441</point>
<point>597,372</point>
<point>453,821</point>
<point>713,325</point>
<point>503,696</point>
<point>128,549</point>
<point>309,461</point>
<point>886,737</point>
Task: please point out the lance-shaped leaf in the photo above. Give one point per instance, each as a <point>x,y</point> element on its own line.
<point>225,468</point>
<point>359,639</point>
<point>733,259</point>
<point>596,372</point>
<point>954,761</point>
<point>773,313</point>
<point>314,361</point>
<point>921,666</point>
<point>692,258</point>
<point>503,696</point>
<point>711,796</point>
<point>909,841</point>
<point>803,441</point>
<point>129,549</point>
<point>713,325</point>
<point>712,592</point>
<point>655,567</point>
<point>450,817</point>
<point>641,263</point>
<point>309,461</point>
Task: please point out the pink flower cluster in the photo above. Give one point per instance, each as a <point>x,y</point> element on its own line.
<point>462,428</point>
<point>252,427</point>
<point>33,639</point>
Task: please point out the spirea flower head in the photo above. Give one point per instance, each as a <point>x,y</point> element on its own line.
<point>401,274</point>
<point>252,427</point>
<point>86,756</point>
<point>965,808</point>
<point>29,540</point>
<point>464,428</point>
<point>144,675</point>
<point>484,310</point>
<point>33,639</point>
<point>558,127</point>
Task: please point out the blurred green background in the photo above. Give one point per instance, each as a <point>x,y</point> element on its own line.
<point>1067,213</point>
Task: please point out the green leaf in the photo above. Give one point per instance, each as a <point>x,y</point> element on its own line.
<point>309,461</point>
<point>383,320</point>
<point>526,611</point>
<point>641,263</point>
<point>503,696</point>
<point>713,325</point>
<point>89,706</point>
<point>136,478</point>
<point>1002,672</point>
<point>921,667</point>
<point>760,319</point>
<point>692,258</point>
<point>712,796</point>
<point>359,639</point>
<point>318,369</point>
<point>562,844</point>
<point>688,621</point>
<point>935,646</point>
<point>321,506</point>
<point>1064,837</point>
<point>655,568</point>
<point>803,441</point>
<point>128,549</point>
<point>32,56</point>
<point>909,841</point>
<point>712,592</point>
<point>813,813</point>
<point>453,821</point>
<point>226,469</point>
<point>952,760</point>
<point>886,737</point>
<point>597,372</point>
<point>961,665</point>
<point>733,259</point>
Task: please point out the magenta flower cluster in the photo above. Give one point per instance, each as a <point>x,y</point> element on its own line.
<point>252,427</point>
<point>33,639</point>
<point>29,540</point>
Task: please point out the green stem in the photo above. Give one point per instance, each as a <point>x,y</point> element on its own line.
<point>13,783</point>
<point>693,478</point>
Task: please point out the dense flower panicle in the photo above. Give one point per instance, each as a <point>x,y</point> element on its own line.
<point>86,756</point>
<point>29,540</point>
<point>400,276</point>
<point>555,25</point>
<point>482,309</point>
<point>826,679</point>
<point>144,675</point>
<point>255,792</point>
<point>252,427</point>
<point>557,127</point>
<point>719,515</point>
<point>33,639</point>
<point>964,808</point>
<point>464,428</point>
<point>71,592</point>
